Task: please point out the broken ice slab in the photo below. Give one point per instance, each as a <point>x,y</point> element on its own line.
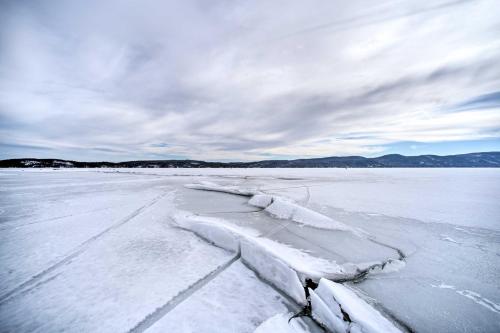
<point>337,245</point>
<point>340,310</point>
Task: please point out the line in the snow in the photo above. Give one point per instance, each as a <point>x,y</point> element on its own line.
<point>37,279</point>
<point>12,224</point>
<point>236,212</point>
<point>29,187</point>
<point>160,312</point>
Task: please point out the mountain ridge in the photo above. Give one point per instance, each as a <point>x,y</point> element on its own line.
<point>469,160</point>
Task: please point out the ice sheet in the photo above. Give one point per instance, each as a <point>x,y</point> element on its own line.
<point>444,222</point>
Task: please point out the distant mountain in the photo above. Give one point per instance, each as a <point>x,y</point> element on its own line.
<point>472,160</point>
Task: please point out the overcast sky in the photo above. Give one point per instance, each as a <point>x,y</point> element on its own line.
<point>247,80</point>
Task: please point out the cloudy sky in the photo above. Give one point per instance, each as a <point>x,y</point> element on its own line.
<point>247,80</point>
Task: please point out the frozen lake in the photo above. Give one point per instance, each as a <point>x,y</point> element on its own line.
<point>141,250</point>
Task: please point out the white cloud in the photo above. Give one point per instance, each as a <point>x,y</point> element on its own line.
<point>232,80</point>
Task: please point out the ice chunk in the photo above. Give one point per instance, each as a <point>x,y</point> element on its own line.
<point>355,328</point>
<point>261,200</point>
<point>335,296</point>
<point>306,265</point>
<point>215,230</point>
<point>280,324</point>
<point>279,207</point>
<point>283,208</point>
<point>229,236</point>
<point>272,269</point>
<point>328,315</point>
<point>209,186</point>
<point>315,219</point>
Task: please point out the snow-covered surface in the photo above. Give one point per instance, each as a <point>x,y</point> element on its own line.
<point>118,250</point>
<point>234,301</point>
<point>115,278</point>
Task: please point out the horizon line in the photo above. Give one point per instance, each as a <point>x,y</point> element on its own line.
<point>253,161</point>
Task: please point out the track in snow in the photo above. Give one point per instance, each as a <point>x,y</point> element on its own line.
<point>160,312</point>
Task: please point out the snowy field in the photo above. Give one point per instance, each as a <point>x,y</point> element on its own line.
<point>244,250</point>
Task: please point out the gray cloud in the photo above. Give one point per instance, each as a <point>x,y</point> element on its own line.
<point>242,80</point>
<point>491,100</point>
